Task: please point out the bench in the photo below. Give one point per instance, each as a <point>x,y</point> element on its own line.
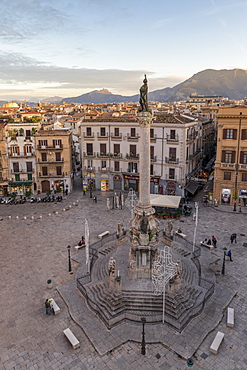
<point>210,246</point>
<point>100,236</point>
<point>54,306</point>
<point>217,342</point>
<point>71,338</point>
<point>79,246</point>
<point>230,318</point>
<point>181,234</point>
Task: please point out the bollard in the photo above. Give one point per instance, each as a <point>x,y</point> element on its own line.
<point>24,217</point>
<point>49,214</point>
<point>189,363</point>
<point>70,206</point>
<point>9,216</point>
<point>17,217</point>
<point>64,209</point>
<point>49,284</point>
<point>32,217</point>
<point>40,216</point>
<point>56,212</point>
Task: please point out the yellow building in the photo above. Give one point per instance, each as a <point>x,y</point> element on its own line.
<point>3,161</point>
<point>230,176</point>
<point>54,160</point>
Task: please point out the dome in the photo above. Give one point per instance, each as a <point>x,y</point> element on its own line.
<point>10,105</point>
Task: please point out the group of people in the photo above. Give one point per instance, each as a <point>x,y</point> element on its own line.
<point>212,241</point>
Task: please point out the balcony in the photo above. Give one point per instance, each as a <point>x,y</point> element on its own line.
<point>172,138</point>
<point>192,156</point>
<point>102,155</point>
<point>87,136</point>
<point>132,156</point>
<point>192,137</point>
<point>102,137</point>
<point>153,158</point>
<point>51,175</point>
<point>133,138</point>
<point>21,154</point>
<point>48,147</point>
<point>51,161</point>
<point>133,172</point>
<point>169,177</point>
<point>153,138</point>
<point>22,171</point>
<point>227,165</point>
<point>243,166</point>
<point>89,169</point>
<point>116,155</point>
<point>172,160</point>
<point>105,169</point>
<point>89,154</point>
<point>114,137</point>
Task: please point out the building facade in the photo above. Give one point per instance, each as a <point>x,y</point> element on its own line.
<point>54,160</point>
<point>3,161</point>
<point>230,176</point>
<point>110,153</point>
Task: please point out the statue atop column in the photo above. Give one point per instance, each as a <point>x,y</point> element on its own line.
<point>144,96</point>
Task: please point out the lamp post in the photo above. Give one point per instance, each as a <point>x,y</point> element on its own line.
<point>223,266</point>
<point>90,189</point>
<point>70,268</point>
<point>143,351</point>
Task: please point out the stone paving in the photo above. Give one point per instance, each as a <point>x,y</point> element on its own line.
<point>35,250</point>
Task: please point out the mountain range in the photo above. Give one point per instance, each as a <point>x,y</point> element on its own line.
<point>230,84</point>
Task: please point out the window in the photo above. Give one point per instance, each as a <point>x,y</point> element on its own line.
<point>43,157</point>
<point>28,134</point>
<point>151,169</point>
<point>58,156</point>
<point>89,131</point>
<point>172,154</point>
<point>229,133</point>
<point>29,166</point>
<point>16,167</point>
<point>102,131</point>
<point>17,177</point>
<point>89,149</point>
<point>116,166</point>
<point>171,173</point>
<point>244,134</point>
<point>132,132</point>
<point>173,134</point>
<point>89,164</point>
<point>228,156</point>
<point>29,176</point>
<point>244,176</point>
<point>116,149</point>
<point>57,143</point>
<point>103,165</point>
<point>44,171</point>
<point>227,175</point>
<point>15,150</point>
<point>28,149</point>
<point>243,157</point>
<point>59,170</point>
<point>116,131</point>
<point>43,143</point>
<point>132,167</point>
<point>152,152</point>
<point>132,150</point>
<point>151,133</point>
<point>102,149</point>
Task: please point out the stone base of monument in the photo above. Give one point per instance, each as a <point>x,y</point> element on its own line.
<point>130,299</point>
<point>168,241</point>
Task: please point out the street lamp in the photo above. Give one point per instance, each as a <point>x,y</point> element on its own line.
<point>223,266</point>
<point>90,189</point>
<point>143,351</point>
<point>70,269</point>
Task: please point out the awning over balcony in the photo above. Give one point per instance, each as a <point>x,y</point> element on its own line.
<point>168,201</point>
<point>192,187</point>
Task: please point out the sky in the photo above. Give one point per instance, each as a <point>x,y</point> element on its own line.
<point>71,47</point>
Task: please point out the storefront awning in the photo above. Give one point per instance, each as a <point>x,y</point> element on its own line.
<point>19,183</point>
<point>192,187</point>
<point>168,201</point>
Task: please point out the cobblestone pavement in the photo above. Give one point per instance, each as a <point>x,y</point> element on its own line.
<point>34,250</point>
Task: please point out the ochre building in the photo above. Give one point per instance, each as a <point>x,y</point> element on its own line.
<point>230,177</point>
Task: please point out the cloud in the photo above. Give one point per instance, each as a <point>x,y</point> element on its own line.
<point>24,73</point>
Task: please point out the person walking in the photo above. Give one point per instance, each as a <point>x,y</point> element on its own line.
<point>47,307</point>
<point>229,254</point>
<point>233,237</point>
<point>214,241</point>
